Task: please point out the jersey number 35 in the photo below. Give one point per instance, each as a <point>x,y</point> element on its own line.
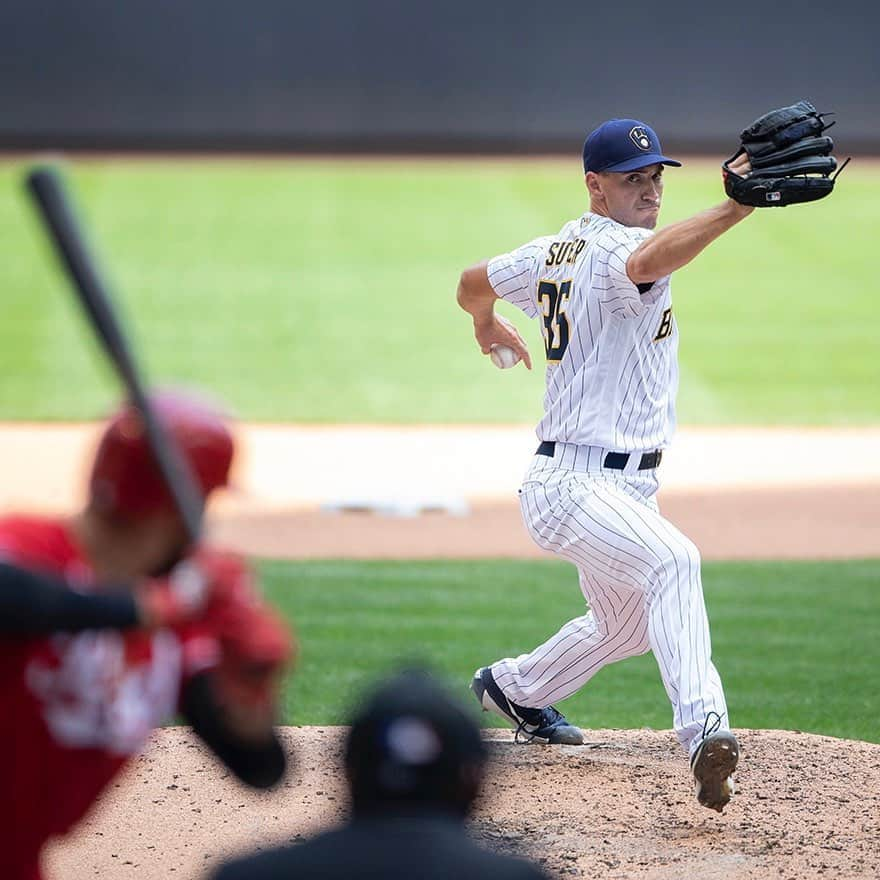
<point>552,299</point>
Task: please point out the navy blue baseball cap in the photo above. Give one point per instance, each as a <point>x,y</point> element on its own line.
<point>623,145</point>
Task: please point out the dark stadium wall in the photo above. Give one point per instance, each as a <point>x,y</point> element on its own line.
<point>394,75</point>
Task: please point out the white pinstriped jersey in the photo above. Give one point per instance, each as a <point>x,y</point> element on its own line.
<point>612,352</point>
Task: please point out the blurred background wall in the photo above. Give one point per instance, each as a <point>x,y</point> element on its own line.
<point>454,75</point>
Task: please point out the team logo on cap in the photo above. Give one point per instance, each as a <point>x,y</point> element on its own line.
<point>640,138</point>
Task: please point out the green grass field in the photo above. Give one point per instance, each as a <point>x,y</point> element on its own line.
<point>323,291</point>
<point>795,643</point>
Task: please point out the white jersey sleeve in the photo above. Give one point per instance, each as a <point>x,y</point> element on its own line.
<point>513,276</point>
<point>615,291</point>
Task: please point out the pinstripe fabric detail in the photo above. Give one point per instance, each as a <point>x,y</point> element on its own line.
<point>513,276</point>
<point>614,385</point>
<point>641,578</point>
<point>612,389</point>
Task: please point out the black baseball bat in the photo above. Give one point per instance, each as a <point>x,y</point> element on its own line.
<point>57,212</point>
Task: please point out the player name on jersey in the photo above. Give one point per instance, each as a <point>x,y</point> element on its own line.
<point>564,252</point>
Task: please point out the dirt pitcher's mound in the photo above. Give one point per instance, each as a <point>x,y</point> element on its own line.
<point>619,807</point>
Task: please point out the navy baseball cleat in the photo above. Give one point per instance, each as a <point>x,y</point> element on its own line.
<point>713,763</point>
<point>532,725</point>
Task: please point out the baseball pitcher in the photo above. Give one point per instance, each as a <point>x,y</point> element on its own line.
<point>601,291</point>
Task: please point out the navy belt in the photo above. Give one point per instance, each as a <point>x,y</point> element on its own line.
<point>615,460</point>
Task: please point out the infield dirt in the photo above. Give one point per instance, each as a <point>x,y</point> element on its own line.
<point>620,806</point>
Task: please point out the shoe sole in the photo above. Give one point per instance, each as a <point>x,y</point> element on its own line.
<point>491,699</point>
<point>713,766</point>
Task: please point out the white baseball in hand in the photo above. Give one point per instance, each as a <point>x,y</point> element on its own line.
<point>504,357</point>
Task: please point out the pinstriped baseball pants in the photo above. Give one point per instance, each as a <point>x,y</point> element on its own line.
<point>640,576</point>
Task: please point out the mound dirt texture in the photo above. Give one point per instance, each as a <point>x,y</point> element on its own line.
<point>620,806</point>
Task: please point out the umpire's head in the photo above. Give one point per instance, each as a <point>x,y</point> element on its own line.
<point>412,747</point>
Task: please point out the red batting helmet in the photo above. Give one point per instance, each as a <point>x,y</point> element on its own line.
<point>125,477</point>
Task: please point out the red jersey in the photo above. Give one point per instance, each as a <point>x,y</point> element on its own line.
<point>78,706</point>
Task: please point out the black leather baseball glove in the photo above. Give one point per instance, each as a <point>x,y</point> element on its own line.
<point>790,157</point>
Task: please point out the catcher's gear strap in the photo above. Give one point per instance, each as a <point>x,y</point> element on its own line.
<point>259,765</point>
<point>36,604</point>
